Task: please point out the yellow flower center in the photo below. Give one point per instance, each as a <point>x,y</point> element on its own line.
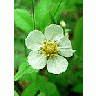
<point>49,49</point>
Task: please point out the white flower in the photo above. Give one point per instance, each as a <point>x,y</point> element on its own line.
<point>49,48</point>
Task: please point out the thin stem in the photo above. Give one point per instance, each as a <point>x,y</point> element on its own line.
<point>57,8</point>
<point>52,18</point>
<point>33,12</point>
<point>64,31</point>
<point>25,50</point>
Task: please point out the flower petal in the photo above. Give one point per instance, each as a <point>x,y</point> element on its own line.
<point>53,32</point>
<point>66,52</point>
<point>34,40</point>
<point>36,60</point>
<point>64,43</point>
<point>65,47</point>
<point>57,65</point>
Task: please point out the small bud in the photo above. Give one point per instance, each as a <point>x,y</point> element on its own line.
<point>62,23</point>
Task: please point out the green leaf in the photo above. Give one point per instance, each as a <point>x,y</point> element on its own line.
<point>45,87</point>
<point>23,20</point>
<point>78,38</point>
<point>41,14</point>
<point>15,93</point>
<point>78,88</point>
<point>28,77</point>
<point>30,90</point>
<point>41,84</point>
<point>24,68</point>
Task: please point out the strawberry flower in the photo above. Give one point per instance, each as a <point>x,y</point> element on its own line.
<point>49,48</point>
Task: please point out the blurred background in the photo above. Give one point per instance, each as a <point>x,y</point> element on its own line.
<point>37,14</point>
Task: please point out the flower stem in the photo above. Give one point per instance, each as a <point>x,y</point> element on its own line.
<point>33,12</point>
<point>57,8</point>
<point>52,19</point>
<point>25,50</point>
<point>64,31</point>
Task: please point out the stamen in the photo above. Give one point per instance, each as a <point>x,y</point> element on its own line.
<point>49,48</point>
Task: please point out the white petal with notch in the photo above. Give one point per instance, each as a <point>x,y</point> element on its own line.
<point>36,60</point>
<point>64,42</point>
<point>57,65</point>
<point>65,47</point>
<point>66,52</point>
<point>53,32</point>
<point>34,40</point>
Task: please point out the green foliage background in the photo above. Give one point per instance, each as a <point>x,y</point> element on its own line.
<point>37,14</point>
